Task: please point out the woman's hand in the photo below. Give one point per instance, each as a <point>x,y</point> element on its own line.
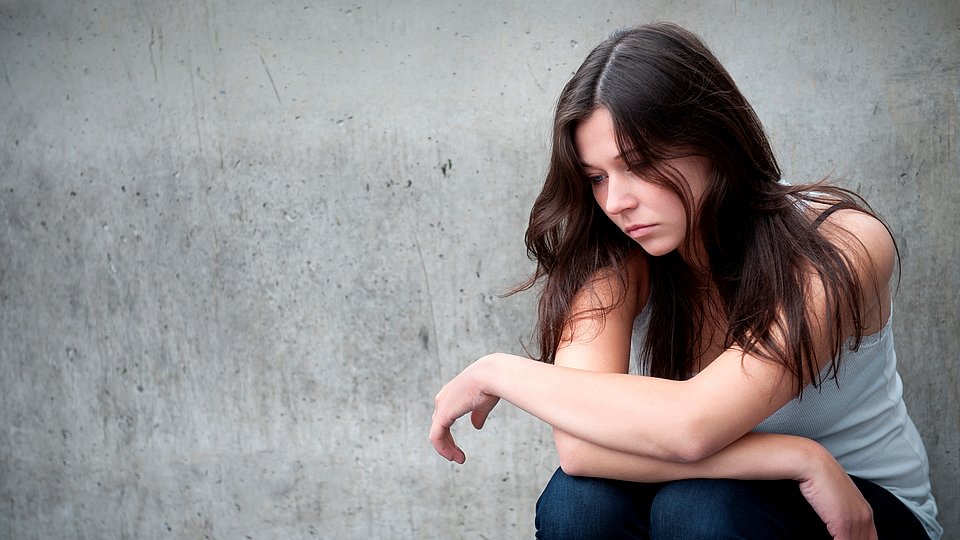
<point>463,394</point>
<point>838,501</point>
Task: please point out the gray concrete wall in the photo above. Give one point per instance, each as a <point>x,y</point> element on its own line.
<point>242,244</point>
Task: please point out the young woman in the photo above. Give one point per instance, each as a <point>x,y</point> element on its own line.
<point>716,346</point>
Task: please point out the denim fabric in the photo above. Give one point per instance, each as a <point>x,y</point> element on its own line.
<point>592,508</point>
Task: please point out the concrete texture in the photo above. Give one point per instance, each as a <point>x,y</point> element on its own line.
<point>242,244</point>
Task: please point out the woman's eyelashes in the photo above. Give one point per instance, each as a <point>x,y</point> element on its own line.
<point>599,178</point>
<point>596,179</point>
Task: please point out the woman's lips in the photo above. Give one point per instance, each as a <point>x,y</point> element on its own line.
<point>638,231</point>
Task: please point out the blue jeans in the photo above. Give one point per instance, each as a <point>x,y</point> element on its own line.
<point>592,508</point>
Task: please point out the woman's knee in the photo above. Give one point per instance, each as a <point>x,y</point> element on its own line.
<point>691,509</point>
<point>701,508</point>
<point>581,507</point>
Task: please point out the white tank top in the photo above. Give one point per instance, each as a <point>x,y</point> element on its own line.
<point>863,422</point>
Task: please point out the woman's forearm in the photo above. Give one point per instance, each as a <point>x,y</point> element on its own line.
<point>663,419</point>
<point>755,456</point>
<point>600,408</point>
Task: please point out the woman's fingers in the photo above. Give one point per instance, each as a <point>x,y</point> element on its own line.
<point>442,441</point>
<point>480,413</point>
<point>440,436</point>
<point>458,397</point>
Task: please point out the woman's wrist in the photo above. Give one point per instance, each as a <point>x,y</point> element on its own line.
<point>488,369</point>
<point>812,459</point>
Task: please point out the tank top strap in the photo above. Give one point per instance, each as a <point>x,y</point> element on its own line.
<point>826,213</point>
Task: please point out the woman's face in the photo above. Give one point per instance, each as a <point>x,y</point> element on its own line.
<point>649,213</point>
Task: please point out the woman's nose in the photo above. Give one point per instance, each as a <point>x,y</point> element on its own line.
<point>620,195</point>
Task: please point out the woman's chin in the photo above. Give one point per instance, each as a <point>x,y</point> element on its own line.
<point>657,249</point>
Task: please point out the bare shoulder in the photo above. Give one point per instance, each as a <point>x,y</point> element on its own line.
<point>866,240</point>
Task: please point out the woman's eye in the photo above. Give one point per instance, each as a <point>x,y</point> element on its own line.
<point>596,178</point>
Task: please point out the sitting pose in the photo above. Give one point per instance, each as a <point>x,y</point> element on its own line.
<point>716,351</point>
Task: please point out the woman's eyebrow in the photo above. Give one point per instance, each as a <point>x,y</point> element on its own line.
<point>619,156</point>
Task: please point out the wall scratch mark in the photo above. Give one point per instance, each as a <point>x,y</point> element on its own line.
<point>13,91</point>
<point>265,68</point>
<point>426,282</point>
<point>196,115</point>
<point>536,80</point>
<point>153,61</point>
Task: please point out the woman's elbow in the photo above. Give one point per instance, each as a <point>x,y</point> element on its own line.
<point>693,442</point>
<point>571,453</point>
<point>690,451</point>
<point>689,439</point>
<point>572,467</point>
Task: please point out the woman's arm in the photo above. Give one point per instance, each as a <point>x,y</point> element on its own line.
<point>821,480</point>
<point>755,456</point>
<point>683,421</point>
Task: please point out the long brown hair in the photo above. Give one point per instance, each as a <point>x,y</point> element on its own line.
<point>670,97</point>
